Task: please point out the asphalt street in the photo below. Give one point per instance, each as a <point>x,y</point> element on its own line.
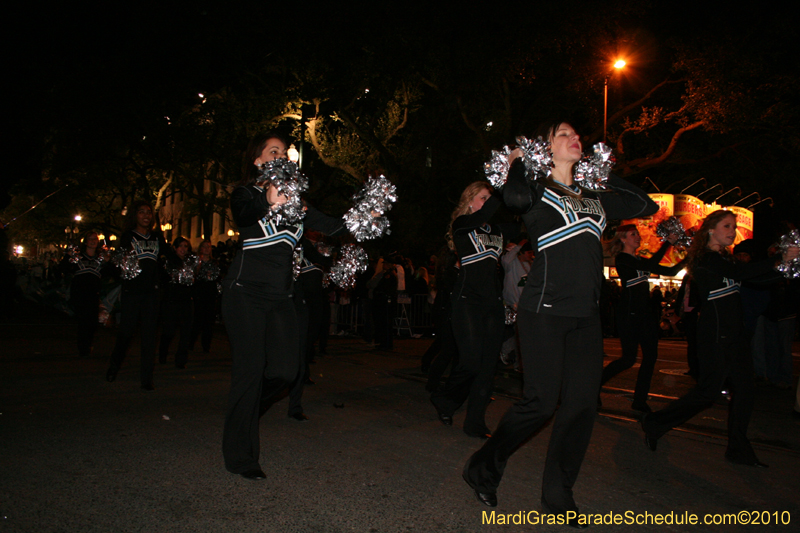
<point>80,454</point>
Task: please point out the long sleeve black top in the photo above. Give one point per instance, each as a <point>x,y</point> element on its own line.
<point>264,263</point>
<point>565,230</point>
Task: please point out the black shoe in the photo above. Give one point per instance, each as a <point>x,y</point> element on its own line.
<point>148,387</point>
<point>445,419</point>
<point>649,440</point>
<point>486,498</point>
<point>641,407</point>
<point>755,463</point>
<point>256,474</point>
<point>300,417</point>
<point>111,375</point>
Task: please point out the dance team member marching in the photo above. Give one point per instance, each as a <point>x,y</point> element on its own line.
<point>204,296</point>
<point>258,306</point>
<point>176,305</point>
<point>723,347</point>
<point>636,321</point>
<point>84,291</point>
<point>139,298</point>
<point>558,319</point>
<point>477,309</point>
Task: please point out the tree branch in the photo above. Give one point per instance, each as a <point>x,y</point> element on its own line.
<point>647,162</point>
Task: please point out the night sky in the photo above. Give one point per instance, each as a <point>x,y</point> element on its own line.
<point>107,71</point>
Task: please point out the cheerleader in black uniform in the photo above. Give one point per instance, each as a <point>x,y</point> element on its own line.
<point>204,296</point>
<point>139,298</point>
<point>258,306</point>
<point>723,346</point>
<point>477,314</point>
<point>636,322</point>
<point>176,306</point>
<point>558,319</point>
<point>84,291</point>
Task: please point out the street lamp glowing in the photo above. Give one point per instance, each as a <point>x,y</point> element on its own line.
<point>293,154</point>
<point>619,64</point>
<point>77,218</point>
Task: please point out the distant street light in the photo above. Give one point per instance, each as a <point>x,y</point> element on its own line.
<point>618,65</point>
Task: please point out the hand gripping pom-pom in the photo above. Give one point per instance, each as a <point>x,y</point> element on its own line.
<point>208,271</point>
<point>536,156</point>
<point>673,226</point>
<point>352,260</point>
<point>185,274</point>
<point>592,171</point>
<point>285,176</point>
<point>128,263</point>
<point>376,196</point>
<point>790,269</point>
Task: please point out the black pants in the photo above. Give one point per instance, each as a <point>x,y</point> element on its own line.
<point>205,311</point>
<point>383,315</point>
<point>138,308</point>
<point>562,355</point>
<point>176,315</point>
<point>305,352</point>
<point>87,309</point>
<point>635,331</point>
<point>264,344</point>
<point>478,330</point>
<point>717,360</point>
<point>443,352</point>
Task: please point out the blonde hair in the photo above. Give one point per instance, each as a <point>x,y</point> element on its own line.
<point>470,192</point>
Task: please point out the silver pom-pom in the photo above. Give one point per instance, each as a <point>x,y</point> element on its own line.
<point>674,226</point>
<point>592,171</point>
<point>536,155</point>
<point>790,269</point>
<point>74,253</point>
<point>184,275</point>
<point>286,177</point>
<point>376,196</point>
<point>128,263</point>
<point>352,260</point>
<point>511,315</point>
<point>297,261</point>
<point>497,168</point>
<point>208,271</point>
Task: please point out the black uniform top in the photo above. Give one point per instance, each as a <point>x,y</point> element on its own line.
<point>478,246</point>
<point>148,248</point>
<point>265,262</point>
<point>86,274</point>
<point>634,273</point>
<point>205,289</point>
<point>312,270</point>
<point>567,270</point>
<point>718,279</point>
<point>174,290</point>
